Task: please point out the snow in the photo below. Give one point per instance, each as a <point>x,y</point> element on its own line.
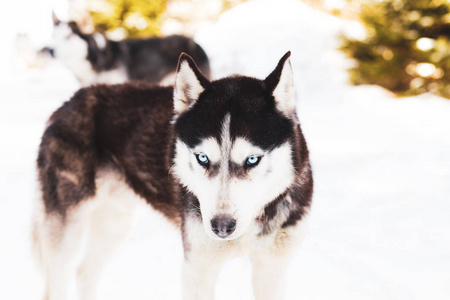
<point>379,222</point>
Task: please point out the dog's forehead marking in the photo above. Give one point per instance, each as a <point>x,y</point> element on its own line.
<point>227,150</point>
<point>225,138</point>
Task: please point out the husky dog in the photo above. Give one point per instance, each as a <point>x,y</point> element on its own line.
<point>225,161</point>
<point>95,59</point>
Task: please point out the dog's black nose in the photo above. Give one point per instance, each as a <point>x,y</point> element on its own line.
<point>223,226</point>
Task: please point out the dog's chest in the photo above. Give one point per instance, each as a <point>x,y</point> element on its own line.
<point>250,242</point>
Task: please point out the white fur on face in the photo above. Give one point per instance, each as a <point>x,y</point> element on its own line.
<point>271,177</point>
<point>99,40</point>
<point>241,198</point>
<point>69,47</point>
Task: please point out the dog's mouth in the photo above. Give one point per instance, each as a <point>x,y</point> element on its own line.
<point>216,237</point>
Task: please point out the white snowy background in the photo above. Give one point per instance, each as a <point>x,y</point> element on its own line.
<point>380,225</point>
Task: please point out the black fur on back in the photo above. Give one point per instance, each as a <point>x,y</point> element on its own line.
<point>121,127</point>
<point>149,59</point>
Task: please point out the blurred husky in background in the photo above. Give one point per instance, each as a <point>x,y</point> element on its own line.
<point>95,59</point>
<point>225,161</point>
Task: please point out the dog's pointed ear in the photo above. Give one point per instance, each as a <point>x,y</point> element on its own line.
<point>281,84</point>
<point>56,21</point>
<point>189,84</point>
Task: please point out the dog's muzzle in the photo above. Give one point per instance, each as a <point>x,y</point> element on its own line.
<point>47,51</point>
<point>223,226</point>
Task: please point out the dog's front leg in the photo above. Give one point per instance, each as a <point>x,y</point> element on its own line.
<point>270,266</point>
<point>203,260</point>
<point>199,277</point>
<point>269,277</point>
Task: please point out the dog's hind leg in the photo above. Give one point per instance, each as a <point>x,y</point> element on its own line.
<point>59,241</point>
<point>108,230</point>
<point>110,225</point>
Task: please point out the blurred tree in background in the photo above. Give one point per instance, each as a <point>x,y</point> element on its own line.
<point>121,19</point>
<point>407,48</point>
<point>128,18</point>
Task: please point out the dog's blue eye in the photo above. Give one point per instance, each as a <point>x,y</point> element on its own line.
<point>252,161</point>
<point>202,159</point>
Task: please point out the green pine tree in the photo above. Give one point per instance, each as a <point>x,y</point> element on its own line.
<point>407,49</point>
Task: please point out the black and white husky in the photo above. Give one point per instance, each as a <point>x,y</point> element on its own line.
<point>93,58</point>
<point>225,161</point>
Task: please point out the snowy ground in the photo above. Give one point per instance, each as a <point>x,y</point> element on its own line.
<point>380,220</point>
